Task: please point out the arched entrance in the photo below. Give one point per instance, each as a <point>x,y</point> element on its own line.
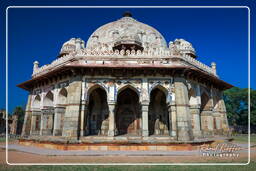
<point>128,113</point>
<point>158,123</point>
<point>97,119</point>
<point>48,114</point>
<point>60,112</point>
<point>205,112</point>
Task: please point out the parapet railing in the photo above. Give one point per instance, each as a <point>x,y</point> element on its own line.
<point>146,57</point>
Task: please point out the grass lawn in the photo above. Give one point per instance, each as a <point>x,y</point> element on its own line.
<point>251,166</point>
<point>244,138</point>
<point>2,139</point>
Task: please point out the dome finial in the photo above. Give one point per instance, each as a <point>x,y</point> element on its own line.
<point>127,14</point>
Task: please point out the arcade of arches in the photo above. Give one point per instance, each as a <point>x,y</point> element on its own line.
<point>128,115</point>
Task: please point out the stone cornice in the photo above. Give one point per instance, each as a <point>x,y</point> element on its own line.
<point>162,58</point>
<point>187,72</point>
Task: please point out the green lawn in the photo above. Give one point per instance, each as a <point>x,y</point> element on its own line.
<point>251,166</point>
<point>244,138</point>
<point>2,139</point>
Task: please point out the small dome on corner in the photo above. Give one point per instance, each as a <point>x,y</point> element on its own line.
<point>71,45</point>
<point>183,46</point>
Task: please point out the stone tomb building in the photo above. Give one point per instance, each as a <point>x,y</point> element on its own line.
<point>125,83</point>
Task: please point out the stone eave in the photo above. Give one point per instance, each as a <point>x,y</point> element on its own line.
<point>175,70</point>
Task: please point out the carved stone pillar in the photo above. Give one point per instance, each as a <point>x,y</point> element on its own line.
<point>210,123</point>
<point>145,132</point>
<point>112,127</point>
<point>47,121</point>
<point>184,128</point>
<point>59,111</point>
<point>83,122</point>
<point>34,130</point>
<point>33,124</point>
<point>172,120</point>
<point>217,122</point>
<point>195,112</point>
<point>144,98</point>
<point>43,124</point>
<point>223,112</point>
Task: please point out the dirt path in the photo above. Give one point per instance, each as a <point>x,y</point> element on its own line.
<point>22,157</point>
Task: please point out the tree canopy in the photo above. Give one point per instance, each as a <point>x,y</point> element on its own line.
<point>236,100</point>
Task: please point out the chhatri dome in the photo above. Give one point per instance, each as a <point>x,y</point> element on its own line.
<point>127,31</point>
<point>129,34</point>
<point>125,85</point>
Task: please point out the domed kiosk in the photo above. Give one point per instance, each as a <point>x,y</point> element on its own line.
<point>125,86</point>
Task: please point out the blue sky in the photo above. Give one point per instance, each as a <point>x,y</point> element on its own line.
<point>218,35</point>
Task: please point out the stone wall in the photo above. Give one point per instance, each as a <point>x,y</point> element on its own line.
<point>73,109</point>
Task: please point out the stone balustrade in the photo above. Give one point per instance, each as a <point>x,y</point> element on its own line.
<point>58,62</point>
<point>134,57</point>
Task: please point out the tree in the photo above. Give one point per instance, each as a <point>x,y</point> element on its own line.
<point>236,100</point>
<point>19,111</point>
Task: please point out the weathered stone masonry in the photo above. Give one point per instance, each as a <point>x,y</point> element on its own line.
<point>125,83</point>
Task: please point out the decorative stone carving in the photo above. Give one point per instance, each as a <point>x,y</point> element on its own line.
<point>63,84</point>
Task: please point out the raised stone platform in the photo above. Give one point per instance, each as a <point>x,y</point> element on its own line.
<point>119,143</point>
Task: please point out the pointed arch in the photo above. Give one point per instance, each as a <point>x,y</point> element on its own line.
<point>92,88</point>
<point>128,111</point>
<point>48,99</point>
<point>160,87</point>
<point>168,95</point>
<point>192,96</point>
<point>204,90</point>
<point>120,89</point>
<point>216,100</point>
<point>158,113</point>
<point>37,101</point>
<point>97,118</point>
<point>62,96</point>
<point>205,101</point>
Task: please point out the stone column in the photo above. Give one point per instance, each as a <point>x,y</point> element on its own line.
<point>43,124</point>
<point>83,122</point>
<point>35,114</point>
<point>217,120</point>
<point>27,119</point>
<point>223,112</point>
<point>111,129</point>
<point>210,118</point>
<point>33,124</point>
<point>144,99</point>
<point>47,115</point>
<point>58,112</point>
<point>73,109</point>
<point>195,111</point>
<point>210,123</point>
<point>145,132</point>
<point>184,128</point>
<point>173,120</point>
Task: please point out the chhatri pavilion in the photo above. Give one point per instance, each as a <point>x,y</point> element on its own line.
<point>125,84</point>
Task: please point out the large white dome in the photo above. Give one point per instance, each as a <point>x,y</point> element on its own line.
<point>126,29</point>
